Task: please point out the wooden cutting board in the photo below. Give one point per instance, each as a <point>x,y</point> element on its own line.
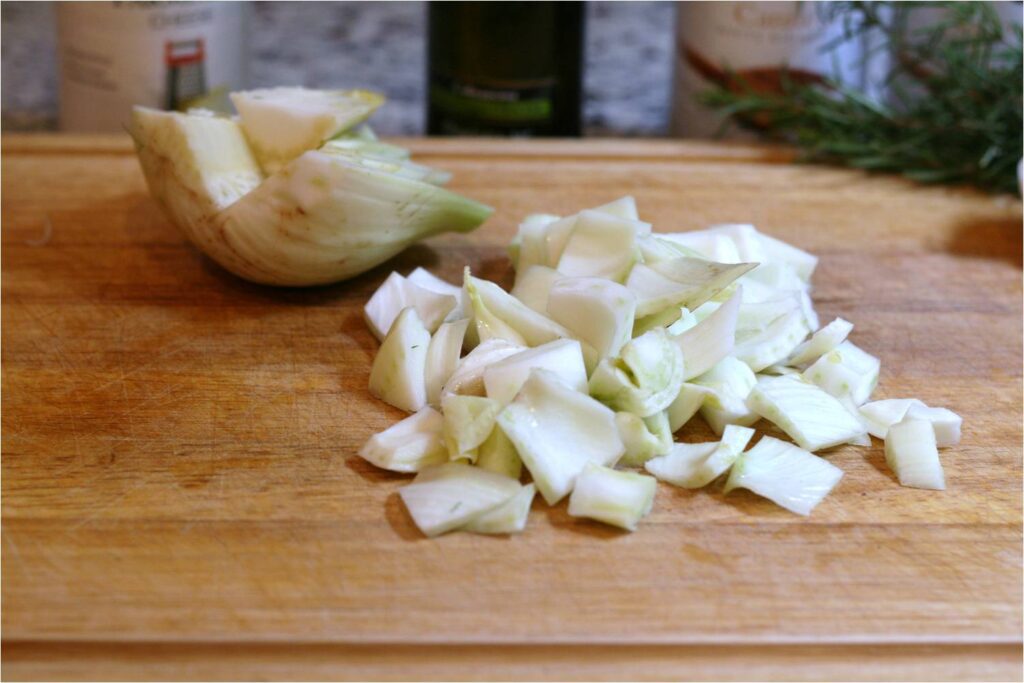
<point>182,498</point>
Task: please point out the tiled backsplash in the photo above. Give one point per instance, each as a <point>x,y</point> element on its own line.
<point>380,45</point>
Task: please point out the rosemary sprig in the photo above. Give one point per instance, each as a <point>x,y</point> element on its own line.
<point>953,109</point>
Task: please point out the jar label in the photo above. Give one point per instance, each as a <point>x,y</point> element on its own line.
<point>504,107</point>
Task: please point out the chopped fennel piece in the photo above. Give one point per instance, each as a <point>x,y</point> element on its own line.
<point>601,245</point>
<point>779,276</point>
<point>734,439</point>
<point>398,374</point>
<point>542,238</point>
<point>773,344</point>
<point>945,422</point>
<point>443,357</point>
<point>427,280</point>
<point>707,278</point>
<point>821,342</point>
<point>861,440</point>
<point>661,320</point>
<point>653,291</point>
<point>498,314</point>
<point>508,518</point>
<point>533,286</point>
<point>528,248</point>
<point>624,207</point>
<point>486,324</point>
<point>709,244</point>
<point>786,475</point>
<point>385,305</point>
<point>847,372</point>
<point>557,430</point>
<point>715,302</point>
<point>734,243</point>
<point>445,497</point>
<point>878,416</point>
<point>618,498</point>
<point>598,312</point>
<point>756,292</point>
<point>397,293</point>
<point>756,316</point>
<point>432,307</point>
<point>678,320</point>
<point>730,374</point>
<point>682,281</point>
<point>556,236</point>
<point>282,123</point>
<point>693,466</point>
<point>711,340</point>
<point>686,321</point>
<point>746,238</point>
<point>468,421</point>
<point>563,357</point>
<point>737,241</point>
<point>777,251</point>
<point>686,405</point>
<point>653,248</point>
<point>708,307</point>
<point>730,383</point>
<point>658,425</point>
<point>723,408</point>
<point>810,415</point>
<point>497,454</point>
<point>644,378</point>
<point>912,454</point>
<point>771,280</point>
<point>810,316</point>
<point>541,218</point>
<point>409,445</point>
<point>643,437</point>
<point>680,463</point>
<point>749,245</point>
<point>468,377</point>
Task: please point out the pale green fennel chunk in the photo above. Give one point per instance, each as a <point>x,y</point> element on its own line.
<point>617,498</point>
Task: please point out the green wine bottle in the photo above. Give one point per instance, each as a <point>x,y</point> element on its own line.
<point>505,68</point>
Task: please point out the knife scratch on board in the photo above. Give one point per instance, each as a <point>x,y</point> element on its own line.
<point>46,236</point>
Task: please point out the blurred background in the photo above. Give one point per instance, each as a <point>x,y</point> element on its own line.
<point>931,90</point>
<point>378,45</point>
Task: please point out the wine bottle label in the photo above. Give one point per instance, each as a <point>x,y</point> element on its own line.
<point>166,55</point>
<point>469,108</point>
<point>755,45</point>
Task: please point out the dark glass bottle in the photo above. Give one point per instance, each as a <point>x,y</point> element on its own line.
<point>505,68</point>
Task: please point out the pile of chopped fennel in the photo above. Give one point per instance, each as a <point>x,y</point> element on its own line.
<point>611,340</point>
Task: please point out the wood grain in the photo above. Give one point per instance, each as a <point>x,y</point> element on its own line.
<point>181,497</point>
<point>299,661</point>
